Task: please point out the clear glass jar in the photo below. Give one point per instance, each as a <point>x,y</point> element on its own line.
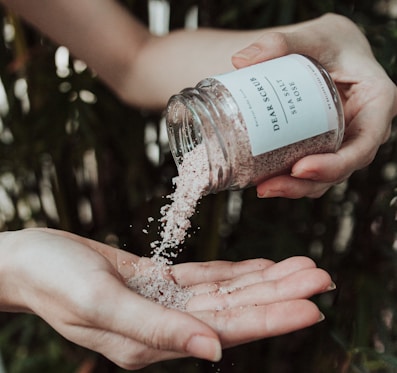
<point>256,122</point>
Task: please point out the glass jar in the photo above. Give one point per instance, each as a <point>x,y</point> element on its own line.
<point>255,123</point>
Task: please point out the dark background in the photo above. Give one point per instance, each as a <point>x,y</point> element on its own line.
<point>49,144</point>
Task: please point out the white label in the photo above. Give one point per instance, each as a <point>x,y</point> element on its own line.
<point>282,101</point>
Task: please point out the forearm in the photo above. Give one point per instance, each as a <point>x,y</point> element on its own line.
<point>9,275</point>
<point>180,59</point>
<point>143,70</point>
<point>101,32</point>
<point>167,64</point>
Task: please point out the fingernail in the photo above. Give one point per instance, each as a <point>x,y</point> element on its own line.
<point>332,286</point>
<point>321,318</point>
<point>205,348</point>
<point>269,193</point>
<point>248,53</point>
<point>305,174</point>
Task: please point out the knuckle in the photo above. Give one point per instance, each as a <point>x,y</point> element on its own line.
<point>138,358</point>
<point>86,301</point>
<point>159,336</point>
<point>368,158</point>
<point>274,41</point>
<point>280,40</point>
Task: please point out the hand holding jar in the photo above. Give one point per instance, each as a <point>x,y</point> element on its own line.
<point>369,100</point>
<point>255,123</point>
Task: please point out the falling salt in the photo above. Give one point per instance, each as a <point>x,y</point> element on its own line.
<point>190,185</point>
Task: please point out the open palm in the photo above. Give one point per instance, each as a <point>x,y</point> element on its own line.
<point>79,287</point>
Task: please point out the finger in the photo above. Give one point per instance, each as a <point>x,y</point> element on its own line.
<point>298,285</point>
<point>307,38</point>
<point>274,44</point>
<point>246,324</point>
<point>324,170</point>
<point>272,272</point>
<point>286,267</point>
<point>319,172</point>
<point>358,150</point>
<point>369,108</point>
<point>291,187</point>
<point>269,45</point>
<point>188,274</point>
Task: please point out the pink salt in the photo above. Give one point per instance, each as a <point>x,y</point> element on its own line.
<point>154,285</point>
<point>190,186</point>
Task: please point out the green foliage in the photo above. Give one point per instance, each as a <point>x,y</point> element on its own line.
<point>73,120</point>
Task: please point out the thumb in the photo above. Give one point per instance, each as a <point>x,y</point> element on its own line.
<point>154,325</point>
<point>269,45</point>
<point>274,44</point>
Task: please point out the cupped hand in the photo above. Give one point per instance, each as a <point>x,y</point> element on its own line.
<point>369,100</point>
<point>78,286</point>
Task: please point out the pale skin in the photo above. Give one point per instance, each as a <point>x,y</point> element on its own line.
<point>77,285</point>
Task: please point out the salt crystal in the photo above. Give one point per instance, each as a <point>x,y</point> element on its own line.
<point>152,285</point>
